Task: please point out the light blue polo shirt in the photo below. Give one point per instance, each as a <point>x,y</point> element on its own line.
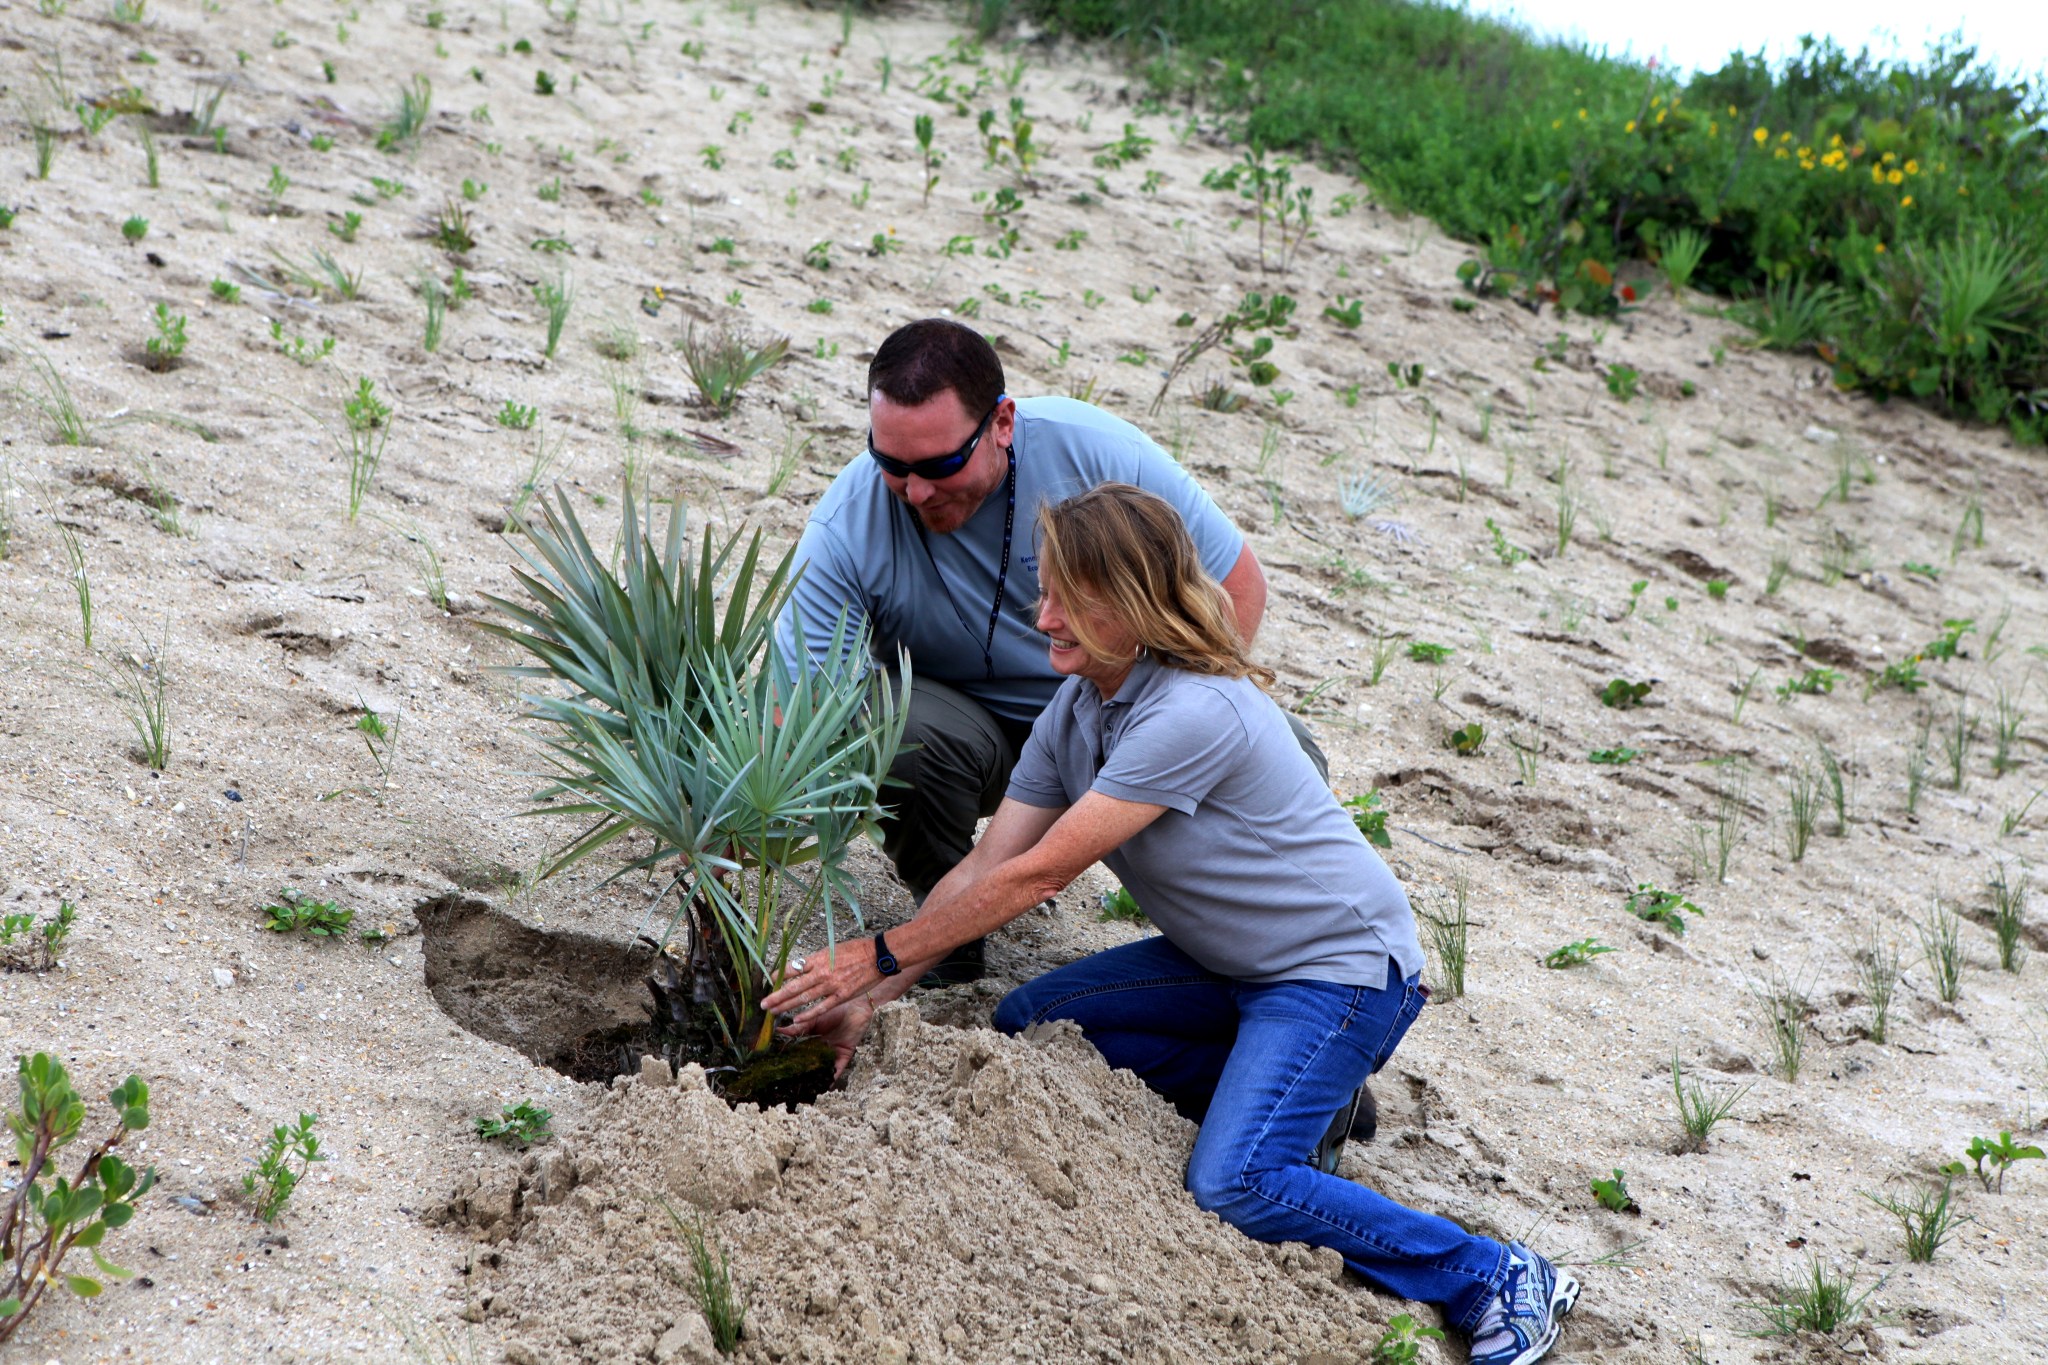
<point>1253,869</point>
<point>861,554</point>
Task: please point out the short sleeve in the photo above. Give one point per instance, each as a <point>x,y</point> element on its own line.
<point>1035,780</point>
<point>826,586</point>
<point>1217,540</point>
<point>1175,751</point>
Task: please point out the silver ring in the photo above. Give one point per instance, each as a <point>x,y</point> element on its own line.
<point>797,964</point>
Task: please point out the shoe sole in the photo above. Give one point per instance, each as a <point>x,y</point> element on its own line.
<point>1564,1296</point>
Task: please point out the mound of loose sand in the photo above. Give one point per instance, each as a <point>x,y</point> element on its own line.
<point>966,1197</point>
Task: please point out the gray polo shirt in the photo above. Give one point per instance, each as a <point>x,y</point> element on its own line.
<point>1253,870</point>
<point>861,553</point>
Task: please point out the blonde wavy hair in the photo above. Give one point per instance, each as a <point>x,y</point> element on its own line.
<point>1120,550</point>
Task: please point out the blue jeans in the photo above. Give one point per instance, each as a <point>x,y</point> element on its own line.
<point>1263,1068</point>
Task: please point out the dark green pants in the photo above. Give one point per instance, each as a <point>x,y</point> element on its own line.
<point>955,767</point>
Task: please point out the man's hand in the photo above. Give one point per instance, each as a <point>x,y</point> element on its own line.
<point>826,980</point>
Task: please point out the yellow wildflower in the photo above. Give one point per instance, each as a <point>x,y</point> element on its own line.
<point>1912,168</point>
<point>1835,141</point>
<point>1880,248</point>
<point>1661,113</point>
<point>1731,111</point>
<point>1762,135</point>
<point>1781,154</point>
<point>1557,123</point>
<point>1907,202</point>
<point>1877,175</point>
<point>1582,115</point>
<point>1893,178</point>
<point>1629,127</point>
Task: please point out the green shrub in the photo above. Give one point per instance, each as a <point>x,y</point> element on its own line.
<point>1889,213</point>
<point>44,1216</point>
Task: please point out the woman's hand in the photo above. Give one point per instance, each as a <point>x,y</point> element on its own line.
<point>826,980</point>
<point>843,1026</point>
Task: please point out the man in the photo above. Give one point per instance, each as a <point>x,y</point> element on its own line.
<point>928,539</point>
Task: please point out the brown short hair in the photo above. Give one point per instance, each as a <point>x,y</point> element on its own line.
<point>1119,549</point>
<point>921,360</point>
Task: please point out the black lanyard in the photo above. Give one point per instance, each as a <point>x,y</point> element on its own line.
<point>995,611</point>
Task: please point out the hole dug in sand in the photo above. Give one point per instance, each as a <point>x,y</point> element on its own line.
<point>569,1000</point>
<point>589,1007</point>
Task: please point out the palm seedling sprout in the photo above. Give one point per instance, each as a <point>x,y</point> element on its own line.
<point>745,780</point>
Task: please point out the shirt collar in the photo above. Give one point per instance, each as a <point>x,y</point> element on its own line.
<point>1144,673</point>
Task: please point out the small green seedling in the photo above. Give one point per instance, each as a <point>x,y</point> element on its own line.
<point>1904,675</point>
<point>380,736</point>
<point>1423,652</point>
<point>1622,381</point>
<point>709,1281</point>
<point>1401,1343</point>
<point>1575,954</point>
<point>1623,695</point>
<point>523,1124</point>
<point>1346,313</point>
<point>1120,907</point>
<point>1717,588</point>
<point>1466,739</point>
<point>40,947</point>
<point>518,416</point>
<point>1614,757</point>
<point>294,910</point>
<point>226,291</point>
<point>363,410</point>
<point>1950,645</point>
<point>1812,683</point>
<point>1927,1216</point>
<point>1700,1108</point>
<point>2002,1154</point>
<point>42,1215</point>
<point>1613,1194</point>
<point>270,1185</point>
<point>1370,815</point>
<point>162,351</point>
<point>1506,551</point>
<point>134,229</point>
<point>1658,906</point>
<point>1820,1301</point>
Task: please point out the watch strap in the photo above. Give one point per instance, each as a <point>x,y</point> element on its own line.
<point>885,961</point>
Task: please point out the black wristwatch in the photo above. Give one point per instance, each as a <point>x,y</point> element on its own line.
<point>885,961</point>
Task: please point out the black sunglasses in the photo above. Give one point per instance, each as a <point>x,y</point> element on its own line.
<point>939,466</point>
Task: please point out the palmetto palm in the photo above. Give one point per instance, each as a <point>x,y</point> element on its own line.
<point>680,724</point>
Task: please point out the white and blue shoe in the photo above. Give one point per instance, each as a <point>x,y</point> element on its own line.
<point>1522,1323</point>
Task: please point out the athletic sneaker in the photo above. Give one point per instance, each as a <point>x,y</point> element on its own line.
<point>1522,1323</point>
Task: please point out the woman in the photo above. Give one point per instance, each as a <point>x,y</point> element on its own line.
<point>1287,969</point>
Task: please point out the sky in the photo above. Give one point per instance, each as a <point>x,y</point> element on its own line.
<point>2012,34</point>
